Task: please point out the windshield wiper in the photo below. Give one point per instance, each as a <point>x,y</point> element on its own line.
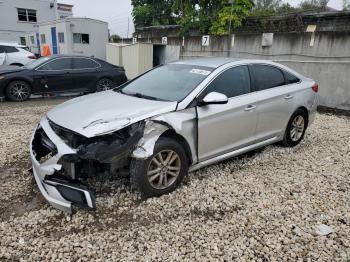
<point>139,95</point>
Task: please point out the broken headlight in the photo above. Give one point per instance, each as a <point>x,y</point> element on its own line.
<point>112,147</point>
<point>69,137</point>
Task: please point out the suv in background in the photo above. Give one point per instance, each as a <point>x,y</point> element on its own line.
<point>15,54</point>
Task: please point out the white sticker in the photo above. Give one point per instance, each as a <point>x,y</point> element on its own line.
<point>205,40</point>
<point>200,72</point>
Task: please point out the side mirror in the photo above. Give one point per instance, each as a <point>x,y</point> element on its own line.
<point>214,98</point>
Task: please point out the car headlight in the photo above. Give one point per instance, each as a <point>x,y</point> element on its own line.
<point>2,77</point>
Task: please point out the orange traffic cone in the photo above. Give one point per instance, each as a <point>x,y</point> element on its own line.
<point>46,50</point>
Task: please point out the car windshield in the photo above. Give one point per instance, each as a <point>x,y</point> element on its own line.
<point>36,62</point>
<point>172,82</point>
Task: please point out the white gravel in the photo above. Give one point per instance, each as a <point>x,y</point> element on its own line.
<point>265,206</point>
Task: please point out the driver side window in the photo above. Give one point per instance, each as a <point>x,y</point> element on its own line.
<point>232,82</point>
<point>57,65</point>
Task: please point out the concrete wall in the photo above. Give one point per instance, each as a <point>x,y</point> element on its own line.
<point>327,61</point>
<point>11,29</point>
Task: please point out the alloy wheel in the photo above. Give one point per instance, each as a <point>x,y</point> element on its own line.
<point>298,126</point>
<point>164,169</point>
<point>20,91</point>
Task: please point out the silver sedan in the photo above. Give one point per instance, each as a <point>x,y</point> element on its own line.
<point>167,122</point>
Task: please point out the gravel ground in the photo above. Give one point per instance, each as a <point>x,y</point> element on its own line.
<point>264,206</point>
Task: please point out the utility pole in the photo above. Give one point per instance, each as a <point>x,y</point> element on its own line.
<point>229,29</point>
<point>230,23</point>
<point>127,35</point>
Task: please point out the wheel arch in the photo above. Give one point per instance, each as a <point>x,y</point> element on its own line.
<point>303,108</point>
<point>21,79</point>
<point>16,64</point>
<point>170,133</point>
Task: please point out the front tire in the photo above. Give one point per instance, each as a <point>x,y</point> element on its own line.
<point>162,172</point>
<point>18,91</point>
<point>104,84</point>
<point>296,128</point>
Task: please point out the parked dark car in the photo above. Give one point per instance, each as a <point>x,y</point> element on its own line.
<point>59,74</point>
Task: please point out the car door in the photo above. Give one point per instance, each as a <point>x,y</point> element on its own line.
<point>276,99</point>
<point>227,127</point>
<point>12,56</point>
<point>85,71</point>
<point>54,76</point>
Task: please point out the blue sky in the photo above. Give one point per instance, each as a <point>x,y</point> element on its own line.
<point>118,12</point>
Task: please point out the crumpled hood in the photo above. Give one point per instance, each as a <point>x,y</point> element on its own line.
<point>105,112</point>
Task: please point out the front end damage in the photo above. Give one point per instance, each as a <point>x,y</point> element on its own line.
<point>63,160</point>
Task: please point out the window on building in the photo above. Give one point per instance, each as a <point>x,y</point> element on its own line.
<point>81,38</point>
<point>61,37</point>
<point>32,40</point>
<point>26,15</point>
<point>266,77</point>
<point>43,39</point>
<point>22,40</point>
<point>233,82</point>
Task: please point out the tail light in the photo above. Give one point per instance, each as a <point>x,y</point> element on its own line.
<point>315,88</point>
<point>32,57</point>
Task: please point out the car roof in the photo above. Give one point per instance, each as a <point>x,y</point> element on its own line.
<point>12,44</point>
<point>77,56</point>
<point>213,62</point>
<point>216,62</point>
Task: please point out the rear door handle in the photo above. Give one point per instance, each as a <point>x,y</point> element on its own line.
<point>288,97</point>
<point>250,108</point>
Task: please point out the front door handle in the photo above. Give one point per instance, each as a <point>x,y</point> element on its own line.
<point>250,108</point>
<point>288,97</point>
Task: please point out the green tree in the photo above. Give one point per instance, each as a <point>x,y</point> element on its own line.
<point>313,4</point>
<point>114,38</point>
<point>152,12</point>
<point>230,16</point>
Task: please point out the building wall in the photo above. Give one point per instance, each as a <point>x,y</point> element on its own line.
<point>97,30</point>
<point>11,29</point>
<point>98,34</point>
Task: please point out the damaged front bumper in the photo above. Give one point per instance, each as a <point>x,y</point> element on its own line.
<point>46,149</point>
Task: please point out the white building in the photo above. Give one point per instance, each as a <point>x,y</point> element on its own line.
<point>74,35</point>
<point>19,19</point>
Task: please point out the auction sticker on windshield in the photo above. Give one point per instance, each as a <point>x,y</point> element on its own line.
<point>200,72</point>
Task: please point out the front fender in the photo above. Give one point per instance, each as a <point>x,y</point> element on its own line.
<point>183,123</point>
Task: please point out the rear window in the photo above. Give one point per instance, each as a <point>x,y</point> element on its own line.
<point>290,78</point>
<point>8,49</point>
<point>84,63</point>
<point>266,77</point>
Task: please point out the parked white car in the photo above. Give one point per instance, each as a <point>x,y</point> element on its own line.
<point>15,54</point>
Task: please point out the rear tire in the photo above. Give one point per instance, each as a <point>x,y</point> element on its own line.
<point>162,172</point>
<point>104,84</point>
<point>296,128</point>
<point>18,91</point>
